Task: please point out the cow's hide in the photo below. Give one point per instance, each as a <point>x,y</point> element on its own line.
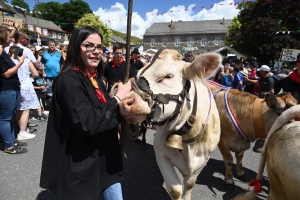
<point>281,152</point>
<point>242,106</point>
<point>168,74</point>
<point>283,162</point>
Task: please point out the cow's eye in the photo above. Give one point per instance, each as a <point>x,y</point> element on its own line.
<point>169,76</point>
<point>166,77</point>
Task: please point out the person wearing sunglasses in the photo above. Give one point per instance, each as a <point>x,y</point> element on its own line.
<point>52,60</point>
<point>22,40</point>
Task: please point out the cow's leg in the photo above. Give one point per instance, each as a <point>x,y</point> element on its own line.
<point>189,182</point>
<point>171,179</point>
<point>225,151</point>
<point>239,165</point>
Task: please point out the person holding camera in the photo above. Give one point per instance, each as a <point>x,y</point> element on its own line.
<point>9,96</point>
<point>22,40</point>
<point>29,98</point>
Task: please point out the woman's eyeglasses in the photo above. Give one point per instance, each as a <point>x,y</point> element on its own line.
<point>91,47</point>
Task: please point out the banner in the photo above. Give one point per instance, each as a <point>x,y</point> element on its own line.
<point>289,55</point>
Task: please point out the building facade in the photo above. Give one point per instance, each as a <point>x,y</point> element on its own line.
<point>40,28</point>
<point>190,36</point>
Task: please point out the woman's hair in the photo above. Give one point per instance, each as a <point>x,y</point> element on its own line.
<point>3,34</point>
<point>73,53</point>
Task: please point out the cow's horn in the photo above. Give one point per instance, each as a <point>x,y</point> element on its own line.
<point>175,141</point>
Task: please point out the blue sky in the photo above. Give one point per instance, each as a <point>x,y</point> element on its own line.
<point>147,12</point>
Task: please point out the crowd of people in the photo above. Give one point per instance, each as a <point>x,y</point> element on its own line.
<point>260,79</point>
<point>82,157</point>
<point>27,72</point>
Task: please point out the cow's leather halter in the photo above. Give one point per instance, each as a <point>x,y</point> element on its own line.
<point>143,85</point>
<point>165,98</point>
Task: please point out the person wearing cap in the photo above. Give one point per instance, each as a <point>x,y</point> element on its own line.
<point>135,62</point>
<point>292,82</point>
<point>266,82</point>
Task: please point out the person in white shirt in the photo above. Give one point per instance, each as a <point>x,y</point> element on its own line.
<point>22,40</point>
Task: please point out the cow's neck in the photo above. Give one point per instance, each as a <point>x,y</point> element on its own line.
<point>258,118</point>
<point>269,117</point>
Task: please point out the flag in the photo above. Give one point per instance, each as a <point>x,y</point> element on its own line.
<point>203,7</point>
<point>212,6</point>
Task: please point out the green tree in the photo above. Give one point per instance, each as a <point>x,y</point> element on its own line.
<point>22,4</point>
<point>257,29</point>
<point>49,11</point>
<point>71,12</point>
<point>95,22</point>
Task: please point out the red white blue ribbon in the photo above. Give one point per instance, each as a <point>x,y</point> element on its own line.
<point>232,117</point>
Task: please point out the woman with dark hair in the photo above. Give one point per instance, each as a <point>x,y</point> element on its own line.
<point>9,96</point>
<point>82,158</point>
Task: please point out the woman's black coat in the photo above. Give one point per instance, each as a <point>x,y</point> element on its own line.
<point>82,152</point>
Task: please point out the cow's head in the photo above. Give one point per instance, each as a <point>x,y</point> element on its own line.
<point>280,102</point>
<point>167,75</point>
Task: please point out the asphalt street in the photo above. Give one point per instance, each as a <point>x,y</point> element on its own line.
<point>20,174</point>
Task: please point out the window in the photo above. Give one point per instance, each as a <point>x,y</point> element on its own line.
<point>217,42</point>
<point>177,42</point>
<point>165,42</point>
<point>190,42</point>
<point>58,35</point>
<point>152,42</point>
<point>203,42</point>
<point>54,35</point>
<point>45,32</point>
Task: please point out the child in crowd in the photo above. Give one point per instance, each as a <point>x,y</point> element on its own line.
<point>40,87</point>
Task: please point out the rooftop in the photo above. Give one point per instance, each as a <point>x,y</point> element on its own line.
<point>188,27</point>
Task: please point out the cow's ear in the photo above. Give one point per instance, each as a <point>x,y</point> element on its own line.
<point>289,100</point>
<point>275,103</point>
<point>204,66</point>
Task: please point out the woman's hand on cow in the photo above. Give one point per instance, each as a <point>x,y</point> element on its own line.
<point>123,90</point>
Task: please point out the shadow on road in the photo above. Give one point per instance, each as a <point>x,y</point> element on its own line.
<point>143,180</point>
<point>212,176</point>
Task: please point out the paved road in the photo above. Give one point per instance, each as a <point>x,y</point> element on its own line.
<point>20,174</point>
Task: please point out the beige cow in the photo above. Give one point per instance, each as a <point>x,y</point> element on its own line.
<point>168,74</point>
<point>282,153</point>
<point>255,116</point>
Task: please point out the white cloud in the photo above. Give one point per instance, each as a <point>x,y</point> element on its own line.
<point>116,16</point>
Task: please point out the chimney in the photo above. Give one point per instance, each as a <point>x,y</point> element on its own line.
<point>223,20</point>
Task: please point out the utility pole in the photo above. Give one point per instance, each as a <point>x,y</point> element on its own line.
<point>36,12</point>
<point>124,124</point>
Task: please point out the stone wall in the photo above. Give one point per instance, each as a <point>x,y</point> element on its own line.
<point>183,46</point>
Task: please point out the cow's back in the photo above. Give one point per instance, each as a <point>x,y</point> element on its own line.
<point>283,163</point>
